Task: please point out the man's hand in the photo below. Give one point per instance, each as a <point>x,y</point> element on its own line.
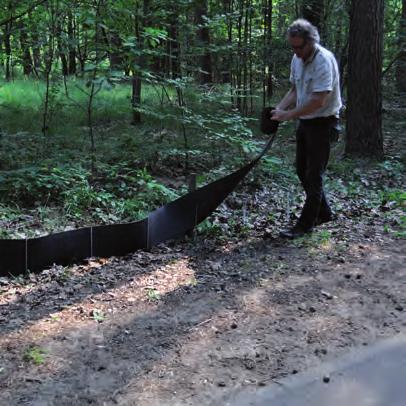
<point>281,115</point>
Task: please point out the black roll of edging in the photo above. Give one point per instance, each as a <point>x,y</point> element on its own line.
<point>268,126</point>
<point>168,222</point>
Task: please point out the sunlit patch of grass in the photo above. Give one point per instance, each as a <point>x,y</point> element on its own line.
<point>22,104</point>
<point>35,355</point>
<point>153,295</point>
<point>316,241</point>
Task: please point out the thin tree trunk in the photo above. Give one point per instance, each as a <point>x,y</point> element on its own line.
<point>115,55</point>
<point>141,20</point>
<point>35,45</point>
<point>174,48</point>
<point>203,37</point>
<point>7,47</point>
<point>82,47</point>
<point>250,61</point>
<point>268,88</point>
<point>72,49</point>
<point>239,56</point>
<point>26,59</point>
<point>226,70</point>
<point>245,59</point>
<point>401,62</point>
<point>49,55</point>
<point>228,76</point>
<point>61,50</point>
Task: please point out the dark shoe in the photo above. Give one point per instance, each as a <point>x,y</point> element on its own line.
<point>295,232</point>
<point>323,219</point>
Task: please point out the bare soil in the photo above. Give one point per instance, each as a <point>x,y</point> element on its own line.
<point>188,322</point>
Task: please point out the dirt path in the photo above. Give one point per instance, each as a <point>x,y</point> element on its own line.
<point>183,324</point>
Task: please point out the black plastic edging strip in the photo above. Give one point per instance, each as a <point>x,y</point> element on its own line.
<point>170,221</point>
<point>26,255</point>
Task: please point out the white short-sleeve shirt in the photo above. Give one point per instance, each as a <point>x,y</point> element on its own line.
<point>318,74</point>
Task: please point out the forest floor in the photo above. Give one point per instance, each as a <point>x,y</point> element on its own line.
<point>190,321</point>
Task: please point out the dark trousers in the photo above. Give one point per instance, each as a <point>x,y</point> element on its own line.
<point>312,154</point>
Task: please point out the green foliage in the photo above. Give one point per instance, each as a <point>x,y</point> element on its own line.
<point>395,197</point>
<point>34,354</point>
<point>49,179</point>
<point>153,295</point>
<point>120,193</point>
<point>39,185</point>
<point>207,227</point>
<point>315,241</point>
<point>98,316</point>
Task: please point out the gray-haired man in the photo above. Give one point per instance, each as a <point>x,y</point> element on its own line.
<point>315,93</point>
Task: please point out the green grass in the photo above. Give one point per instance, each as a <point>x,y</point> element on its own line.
<point>35,355</point>
<point>46,184</point>
<point>23,100</point>
<point>153,295</point>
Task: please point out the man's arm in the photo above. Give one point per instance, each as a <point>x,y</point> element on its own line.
<point>288,100</point>
<point>316,102</point>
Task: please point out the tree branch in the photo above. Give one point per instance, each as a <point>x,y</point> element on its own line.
<point>22,14</point>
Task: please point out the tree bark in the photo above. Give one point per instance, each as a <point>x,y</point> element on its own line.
<point>267,12</point>
<point>313,11</point>
<point>364,115</point>
<point>7,47</point>
<point>8,25</point>
<point>61,49</point>
<point>174,47</point>
<point>25,48</point>
<point>401,62</point>
<point>140,22</point>
<point>203,38</point>
<point>72,48</point>
<point>35,46</point>
<point>226,71</point>
<point>115,54</point>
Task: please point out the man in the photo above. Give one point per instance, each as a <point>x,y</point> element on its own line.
<point>315,95</point>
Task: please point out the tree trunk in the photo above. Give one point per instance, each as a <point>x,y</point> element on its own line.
<point>61,49</point>
<point>401,63</point>
<point>245,58</point>
<point>364,116</point>
<point>26,54</point>
<point>35,45</point>
<point>82,44</point>
<point>72,49</point>
<point>141,20</point>
<point>226,71</point>
<point>239,64</point>
<point>203,38</point>
<point>313,11</point>
<point>115,54</point>
<point>7,47</point>
<point>174,47</point>
<point>267,12</point>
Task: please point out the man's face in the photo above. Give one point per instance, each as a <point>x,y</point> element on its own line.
<point>300,47</point>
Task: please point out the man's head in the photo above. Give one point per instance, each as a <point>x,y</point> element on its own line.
<point>302,36</point>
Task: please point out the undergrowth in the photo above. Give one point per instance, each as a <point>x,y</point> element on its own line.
<point>55,183</point>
